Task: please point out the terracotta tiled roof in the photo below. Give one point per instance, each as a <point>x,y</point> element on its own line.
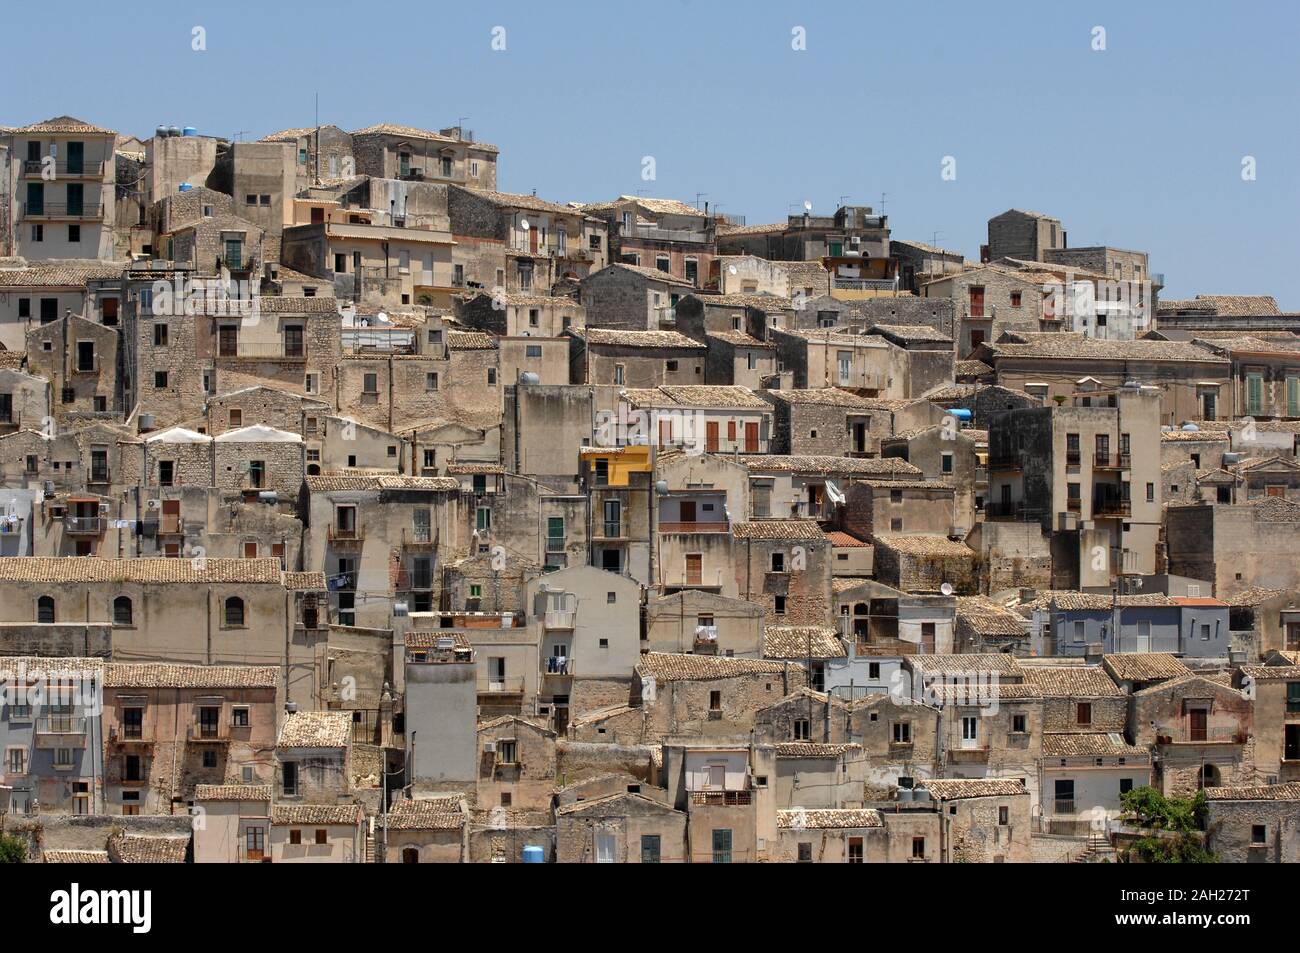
<point>955,789</point>
<point>1071,346</point>
<point>232,792</point>
<point>760,302</point>
<point>812,463</point>
<point>654,274</point>
<point>828,819</point>
<point>713,396</point>
<point>986,617</point>
<point>658,206</point>
<point>145,570</point>
<point>910,332</point>
<point>162,675</point>
<point>143,849</point>
<point>65,274</point>
<point>65,124</point>
<point>431,814</point>
<point>827,396</point>
<point>971,369</point>
<point>411,132</point>
<point>31,668</point>
<point>327,484</point>
<point>666,667</point>
<point>1290,791</point>
<point>1071,681</point>
<point>1255,595</point>
<point>922,545</point>
<point>1143,666</point>
<point>316,729</point>
<point>306,814</point>
<point>740,339</point>
<point>1261,673</point>
<point>800,642</point>
<point>470,341</point>
<point>964,664</point>
<point>778,529</point>
<point>651,339</point>
<point>1090,744</point>
<point>841,539</point>
<point>75,857</point>
<point>751,229</point>
<point>811,749</point>
<point>296,304</point>
<point>304,581</point>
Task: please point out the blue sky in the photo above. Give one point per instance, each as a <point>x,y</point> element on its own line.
<point>1139,146</point>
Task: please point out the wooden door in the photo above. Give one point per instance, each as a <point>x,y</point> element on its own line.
<point>751,437</point>
<point>711,436</point>
<point>1198,723</point>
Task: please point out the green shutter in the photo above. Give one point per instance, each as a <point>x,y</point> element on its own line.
<point>1254,393</point>
<point>1293,396</point>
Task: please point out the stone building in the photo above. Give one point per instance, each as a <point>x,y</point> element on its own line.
<point>660,234</point>
<point>451,156</point>
<point>1201,731</point>
<point>516,764</point>
<point>1020,234</point>
<point>784,566</point>
<point>629,297</point>
<point>639,359</point>
<point>1253,824</point>
<point>987,821</point>
<point>696,621</point>
<point>79,358</point>
<point>171,727</point>
<point>623,827</point>
<point>699,695</point>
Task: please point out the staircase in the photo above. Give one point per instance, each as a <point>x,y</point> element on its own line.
<point>1097,851</point>
<point>370,846</point>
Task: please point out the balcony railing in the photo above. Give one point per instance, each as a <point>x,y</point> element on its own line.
<point>1004,463</point>
<point>264,350</point>
<point>83,525</point>
<point>705,580</point>
<point>100,475</point>
<point>1073,458</point>
<point>62,210</point>
<point>418,538</point>
<point>706,634</point>
<point>1112,461</point>
<point>501,686</point>
<point>557,666</point>
<point>556,544</point>
<point>968,755</point>
<point>560,619</point>
<point>1213,735</point>
<point>61,725</point>
<point>656,234</point>
<point>1010,511</point>
<point>64,169</point>
<point>347,535</point>
<point>713,526</point>
<point>1112,507</point>
<point>1063,806</point>
<point>722,798</point>
<point>612,529</point>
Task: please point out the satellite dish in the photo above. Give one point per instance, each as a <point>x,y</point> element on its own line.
<point>731,269</point>
<point>946,589</point>
<point>523,223</point>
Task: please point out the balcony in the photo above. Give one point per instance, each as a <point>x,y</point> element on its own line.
<point>698,580</point>
<point>341,536</point>
<point>722,798</point>
<point>1213,735</point>
<point>1063,806</point>
<point>559,619</point>
<point>1112,461</point>
<point>83,525</point>
<point>57,211</point>
<point>501,686</point>
<point>611,529</point>
<point>1112,507</point>
<point>129,736</point>
<point>100,475</point>
<point>1074,505</point>
<point>713,526</point>
<point>968,755</point>
<point>262,351</point>
<point>1004,463</point>
<point>556,544</point>
<point>654,233</point>
<point>1010,511</point>
<point>87,366</point>
<point>60,731</point>
<point>706,635</point>
<point>208,734</point>
<point>171,524</point>
<point>35,169</point>
<point>418,539</point>
<point>557,666</point>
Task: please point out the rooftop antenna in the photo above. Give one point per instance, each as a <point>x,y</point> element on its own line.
<point>882,202</point>
<point>460,126</point>
<point>934,238</point>
<point>842,198</point>
<point>239,135</point>
<point>316,176</point>
<point>698,196</point>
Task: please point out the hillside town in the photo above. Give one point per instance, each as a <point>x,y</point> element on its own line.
<point>355,511</point>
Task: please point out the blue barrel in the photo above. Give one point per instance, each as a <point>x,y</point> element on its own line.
<point>189,131</point>
<point>185,187</point>
<point>961,413</point>
<point>534,855</point>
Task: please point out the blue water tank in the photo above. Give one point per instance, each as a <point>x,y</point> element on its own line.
<point>534,855</point>
<point>189,131</point>
<point>185,187</point>
<point>961,413</point>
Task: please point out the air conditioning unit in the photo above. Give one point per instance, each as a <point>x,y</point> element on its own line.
<point>490,747</point>
<point>153,504</point>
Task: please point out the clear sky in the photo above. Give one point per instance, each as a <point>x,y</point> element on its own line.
<point>1138,146</point>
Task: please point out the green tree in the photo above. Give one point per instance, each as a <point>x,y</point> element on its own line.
<point>1184,817</point>
<point>13,850</point>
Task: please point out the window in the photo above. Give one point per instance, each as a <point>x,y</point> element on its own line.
<point>209,758</point>
<point>1015,299</point>
<point>805,852</point>
<point>918,848</point>
<point>1293,697</point>
<point>289,778</point>
<point>778,562</point>
<point>533,350</point>
<point>239,716</point>
<point>295,837</point>
<point>16,761</point>
<point>1258,834</point>
<point>1125,785</point>
<point>507,752</point>
<point>160,380</point>
<point>234,611</point>
<point>970,728</point>
<point>370,384</point>
<point>492,376</point>
<point>45,609</point>
<point>650,848</point>
<point>778,605</point>
<point>1019,724</point>
<point>1004,816</point>
<point>902,733</point>
<point>715,700</point>
<point>321,836</point>
<point>1083,713</point>
<point>160,335</point>
<point>802,731</point>
<point>122,610</point>
<point>1151,492</point>
<point>946,465</point>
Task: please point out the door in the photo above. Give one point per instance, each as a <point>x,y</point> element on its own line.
<point>694,569</point>
<point>665,433</point>
<point>976,303</point>
<point>171,516</point>
<point>234,253</point>
<point>1064,796</point>
<point>711,436</point>
<point>1210,405</point>
<point>1144,637</point>
<point>686,511</point>
<point>604,842</point>
<point>722,846</point>
<point>717,777</point>
<point>859,438</point>
<point>532,240</point>
<point>76,157</point>
<point>1198,724</point>
<point>76,199</point>
<point>970,730</point>
<point>751,437</point>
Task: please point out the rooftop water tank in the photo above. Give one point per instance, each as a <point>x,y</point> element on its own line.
<point>961,413</point>
<point>1190,427</point>
<point>160,132</point>
<point>185,187</point>
<point>173,130</point>
<point>189,131</point>
<point>529,377</point>
<point>534,855</point>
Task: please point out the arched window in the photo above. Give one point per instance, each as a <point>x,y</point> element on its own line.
<point>122,611</point>
<point>234,611</point>
<point>1210,776</point>
<point>45,609</point>
<point>410,855</point>
<point>313,469</point>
